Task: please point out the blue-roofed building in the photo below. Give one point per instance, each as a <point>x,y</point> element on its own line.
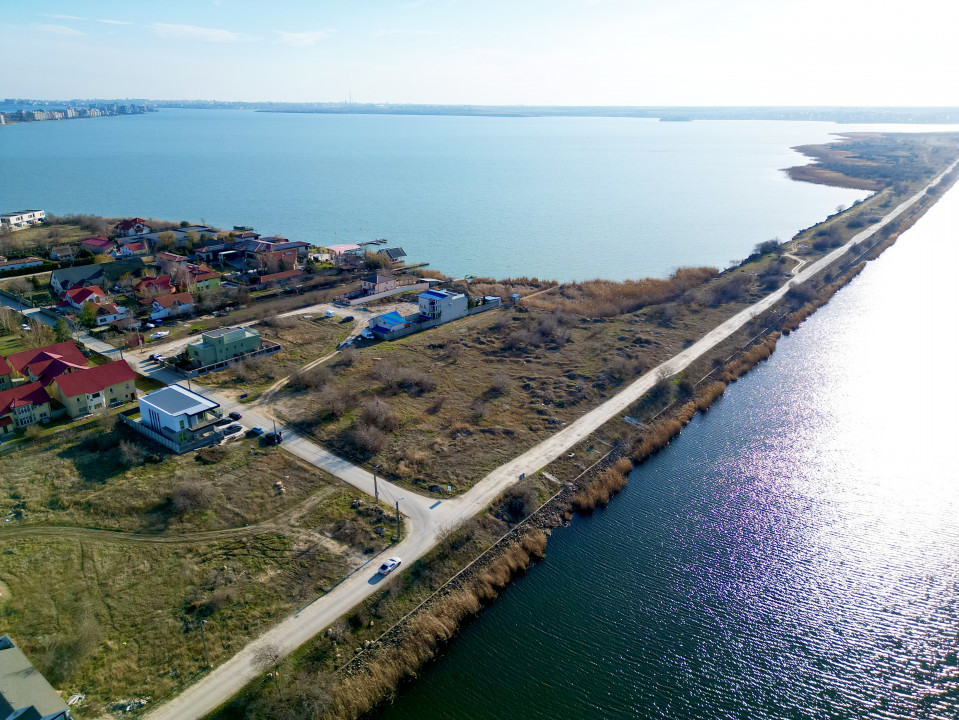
<point>388,325</point>
<point>442,305</point>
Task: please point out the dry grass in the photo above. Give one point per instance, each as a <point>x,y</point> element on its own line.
<point>600,489</point>
<point>606,298</point>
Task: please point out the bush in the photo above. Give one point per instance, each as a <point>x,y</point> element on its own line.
<point>516,503</point>
<point>369,438</point>
<point>378,413</point>
<point>731,289</point>
<point>334,401</point>
<point>131,453</point>
<point>191,496</point>
<point>501,383</point>
<point>310,379</point>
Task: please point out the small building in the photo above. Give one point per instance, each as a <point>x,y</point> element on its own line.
<point>96,389</point>
<point>21,219</point>
<point>108,313</point>
<point>442,305</point>
<point>24,693</point>
<point>81,276</point>
<point>46,363</point>
<point>175,305</point>
<point>23,405</point>
<point>180,415</point>
<point>19,263</point>
<point>279,279</point>
<point>388,325</point>
<point>98,245</point>
<point>75,297</point>
<point>131,227</point>
<point>375,284</point>
<point>63,253</point>
<point>223,344</point>
<point>394,254</point>
<point>151,287</point>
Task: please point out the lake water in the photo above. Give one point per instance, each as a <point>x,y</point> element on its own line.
<point>566,198</point>
<point>792,555</point>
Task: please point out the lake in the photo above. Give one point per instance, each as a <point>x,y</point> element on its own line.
<point>563,198</point>
<point>791,555</point>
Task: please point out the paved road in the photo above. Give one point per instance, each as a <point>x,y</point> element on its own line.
<point>429,518</point>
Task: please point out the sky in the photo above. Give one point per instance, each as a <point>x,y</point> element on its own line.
<point>485,52</point>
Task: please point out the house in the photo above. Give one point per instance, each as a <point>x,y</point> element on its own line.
<point>129,228</point>
<point>23,405</point>
<point>214,253</point>
<point>151,287</point>
<point>46,363</point>
<point>169,257</point>
<point>97,245</point>
<point>19,263</point>
<point>75,297</point>
<point>442,305</point>
<point>387,325</point>
<point>21,219</point>
<point>64,252</point>
<point>102,274</point>
<point>375,284</point>
<point>108,313</point>
<point>177,413</point>
<point>203,277</point>
<point>24,693</point>
<point>96,388</point>
<point>394,254</point>
<point>6,375</point>
<point>173,305</point>
<point>280,278</point>
<point>128,250</point>
<point>223,344</point>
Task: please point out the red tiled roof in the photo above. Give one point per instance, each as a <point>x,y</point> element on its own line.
<point>95,379</point>
<point>97,242</point>
<point>127,224</point>
<point>4,368</point>
<point>66,351</point>
<point>135,246</point>
<point>80,295</point>
<point>166,301</point>
<point>22,395</point>
<point>107,309</point>
<point>280,276</point>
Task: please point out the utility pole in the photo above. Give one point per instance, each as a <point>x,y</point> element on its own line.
<point>397,520</point>
<point>376,492</point>
<point>203,635</point>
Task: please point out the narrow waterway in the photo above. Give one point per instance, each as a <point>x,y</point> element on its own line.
<point>792,555</point>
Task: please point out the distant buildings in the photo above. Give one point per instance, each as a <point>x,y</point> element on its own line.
<point>436,307</point>
<point>19,263</point>
<point>131,227</point>
<point>21,219</point>
<point>24,692</point>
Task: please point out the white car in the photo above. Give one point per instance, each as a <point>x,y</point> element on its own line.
<point>366,334</point>
<point>389,566</point>
<point>159,334</point>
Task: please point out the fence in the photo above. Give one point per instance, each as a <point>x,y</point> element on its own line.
<point>179,448</point>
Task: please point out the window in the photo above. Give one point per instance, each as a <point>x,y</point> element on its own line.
<point>181,424</point>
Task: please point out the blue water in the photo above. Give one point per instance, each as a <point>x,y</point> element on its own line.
<point>567,198</point>
<point>792,555</point>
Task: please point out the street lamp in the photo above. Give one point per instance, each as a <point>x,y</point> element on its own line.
<point>203,635</point>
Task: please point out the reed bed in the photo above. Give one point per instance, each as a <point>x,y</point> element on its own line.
<point>606,298</point>
<point>600,489</point>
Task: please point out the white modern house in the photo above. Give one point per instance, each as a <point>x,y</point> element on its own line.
<point>178,414</point>
<point>442,305</point>
<point>21,219</point>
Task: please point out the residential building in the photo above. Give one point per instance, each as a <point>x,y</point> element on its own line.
<point>128,250</point>
<point>129,228</point>
<point>23,405</point>
<point>442,305</point>
<point>151,287</point>
<point>203,277</point>
<point>375,284</point>
<point>21,219</point>
<point>108,313</point>
<point>346,254</point>
<point>98,245</point>
<point>223,344</point>
<point>6,375</point>
<point>280,278</point>
<point>64,252</point>
<point>178,414</point>
<point>96,389</point>
<point>394,254</point>
<point>46,363</point>
<point>388,325</point>
<point>19,263</point>
<point>75,297</point>
<point>174,305</point>
<point>102,274</point>
<point>24,693</point>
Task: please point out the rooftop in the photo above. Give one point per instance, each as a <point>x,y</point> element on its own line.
<point>95,379</point>
<point>177,400</point>
<point>22,685</point>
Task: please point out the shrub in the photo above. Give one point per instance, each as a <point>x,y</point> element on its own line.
<point>310,379</point>
<point>516,503</point>
<point>131,453</point>
<point>334,401</point>
<point>378,413</point>
<point>191,496</point>
<point>479,409</point>
<point>369,438</point>
<point>501,383</point>
<point>436,405</point>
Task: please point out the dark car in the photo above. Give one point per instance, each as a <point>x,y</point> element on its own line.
<point>223,421</point>
<point>273,438</point>
<point>235,415</point>
<point>348,318</point>
<point>233,429</point>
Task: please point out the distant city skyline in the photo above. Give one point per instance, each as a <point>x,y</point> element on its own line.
<point>536,52</point>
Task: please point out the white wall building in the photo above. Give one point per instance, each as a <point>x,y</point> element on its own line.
<point>443,305</point>
<point>176,412</point>
<point>21,219</point>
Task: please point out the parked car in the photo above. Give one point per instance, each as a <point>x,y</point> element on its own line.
<point>273,438</point>
<point>345,344</point>
<point>149,326</point>
<point>159,334</point>
<point>329,313</point>
<point>348,318</point>
<point>156,357</point>
<point>254,431</point>
<point>235,415</point>
<point>389,566</point>
<point>233,429</point>
<point>222,421</point>
<point>24,326</point>
<point>366,334</point>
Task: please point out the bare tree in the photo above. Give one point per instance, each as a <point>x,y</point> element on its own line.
<point>266,656</point>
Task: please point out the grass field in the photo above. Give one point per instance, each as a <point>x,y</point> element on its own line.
<point>206,536</point>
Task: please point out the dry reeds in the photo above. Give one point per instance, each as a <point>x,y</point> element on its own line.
<point>606,298</point>
<point>749,358</point>
<point>600,489</point>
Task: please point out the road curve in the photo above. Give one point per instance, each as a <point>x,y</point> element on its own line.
<point>430,518</point>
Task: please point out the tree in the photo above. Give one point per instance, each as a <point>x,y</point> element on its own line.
<point>88,315</point>
<point>166,240</point>
<point>18,286</point>
<point>768,246</point>
<point>266,656</point>
<point>39,335</point>
<point>61,330</point>
<point>8,320</point>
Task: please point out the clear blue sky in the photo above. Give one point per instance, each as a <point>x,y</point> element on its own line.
<point>562,52</point>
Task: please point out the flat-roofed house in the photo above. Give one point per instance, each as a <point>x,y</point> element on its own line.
<point>442,305</point>
<point>223,344</point>
<point>177,413</point>
<point>22,219</point>
<point>24,693</point>
<point>96,389</point>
